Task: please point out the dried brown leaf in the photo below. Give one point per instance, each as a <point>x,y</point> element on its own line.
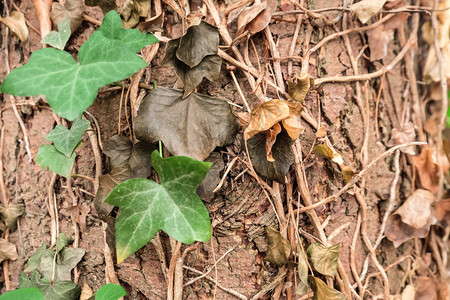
<point>441,210</point>
<point>398,232</point>
<point>16,22</point>
<point>68,9</point>
<point>409,292</point>
<point>133,10</point>
<point>427,169</point>
<point>7,250</point>
<point>86,292</point>
<point>10,214</point>
<point>299,85</point>
<point>416,210</point>
<point>366,9</point>
<point>248,14</point>
<point>292,124</point>
<point>279,248</point>
<point>426,288</point>
<point>264,116</point>
<point>271,137</point>
<point>323,291</point>
<point>402,135</point>
<point>263,18</point>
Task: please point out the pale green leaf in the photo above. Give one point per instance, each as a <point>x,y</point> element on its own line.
<point>65,140</point>
<point>110,292</point>
<point>25,293</point>
<point>172,206</point>
<point>324,259</point>
<point>58,39</point>
<point>61,290</point>
<point>61,242</point>
<point>35,260</point>
<point>57,162</point>
<point>70,86</point>
<point>66,260</point>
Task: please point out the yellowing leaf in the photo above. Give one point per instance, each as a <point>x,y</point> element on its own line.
<point>16,22</point>
<point>279,248</point>
<point>323,291</point>
<point>324,259</point>
<point>264,116</point>
<point>299,85</point>
<point>366,9</point>
<point>10,214</point>
<point>292,123</point>
<point>348,173</point>
<point>327,151</point>
<point>302,269</point>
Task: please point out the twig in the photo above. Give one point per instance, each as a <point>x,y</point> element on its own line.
<point>97,158</point>
<point>92,19</point>
<point>358,176</point>
<point>171,272</point>
<point>178,280</point>
<point>270,286</point>
<point>230,165</point>
<point>156,242</point>
<point>238,87</point>
<point>229,291</point>
<point>353,256</point>
<point>52,209</point>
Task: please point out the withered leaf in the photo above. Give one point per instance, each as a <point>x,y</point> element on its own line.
<point>323,291</point>
<point>279,248</point>
<point>398,232</point>
<point>441,211</point>
<point>133,10</point>
<point>10,214</point>
<point>427,169</point>
<point>105,5</point>
<point>327,151</point>
<point>7,250</point>
<point>348,173</point>
<point>248,14</point>
<point>209,68</point>
<point>68,9</point>
<point>191,127</point>
<point>206,190</point>
<point>427,288</point>
<point>299,85</point>
<point>366,9</point>
<point>281,152</point>
<point>292,123</point>
<point>402,135</point>
<point>409,292</point>
<point>263,18</point>
<point>324,259</point>
<point>107,183</point>
<point>265,115</point>
<point>200,41</point>
<point>271,137</point>
<point>302,269</point>
<point>416,210</point>
<point>16,22</point>
<point>138,156</point>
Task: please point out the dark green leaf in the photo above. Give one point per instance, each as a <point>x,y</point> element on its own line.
<point>209,68</point>
<point>10,214</point>
<point>281,152</point>
<point>199,42</point>
<point>58,39</point>
<point>212,179</point>
<point>57,162</point>
<point>70,87</point>
<point>323,291</point>
<point>107,183</point>
<point>324,259</point>
<point>110,292</point>
<point>61,290</point>
<point>25,294</point>
<point>191,127</point>
<point>279,248</point>
<point>172,206</point>
<point>105,5</point>
<point>64,140</point>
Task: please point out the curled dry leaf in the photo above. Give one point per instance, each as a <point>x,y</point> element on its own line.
<point>263,18</point>
<point>248,14</point>
<point>323,291</point>
<point>86,292</point>
<point>264,116</point>
<point>292,123</point>
<point>324,259</point>
<point>271,137</point>
<point>412,219</point>
<point>279,248</point>
<point>366,9</point>
<point>68,9</point>
<point>133,10</point>
<point>299,85</point>
<point>281,152</point>
<point>427,169</point>
<point>7,250</point>
<point>10,214</point>
<point>188,127</point>
<point>403,135</point>
<point>327,150</point>
<point>16,22</point>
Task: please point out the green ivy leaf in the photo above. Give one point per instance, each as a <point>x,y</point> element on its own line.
<point>25,293</point>
<point>110,291</point>
<point>65,140</point>
<point>58,39</point>
<point>57,162</point>
<point>69,86</point>
<point>61,290</point>
<point>172,206</point>
<point>324,259</point>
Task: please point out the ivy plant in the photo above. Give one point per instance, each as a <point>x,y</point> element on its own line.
<point>70,87</point>
<point>172,206</point>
